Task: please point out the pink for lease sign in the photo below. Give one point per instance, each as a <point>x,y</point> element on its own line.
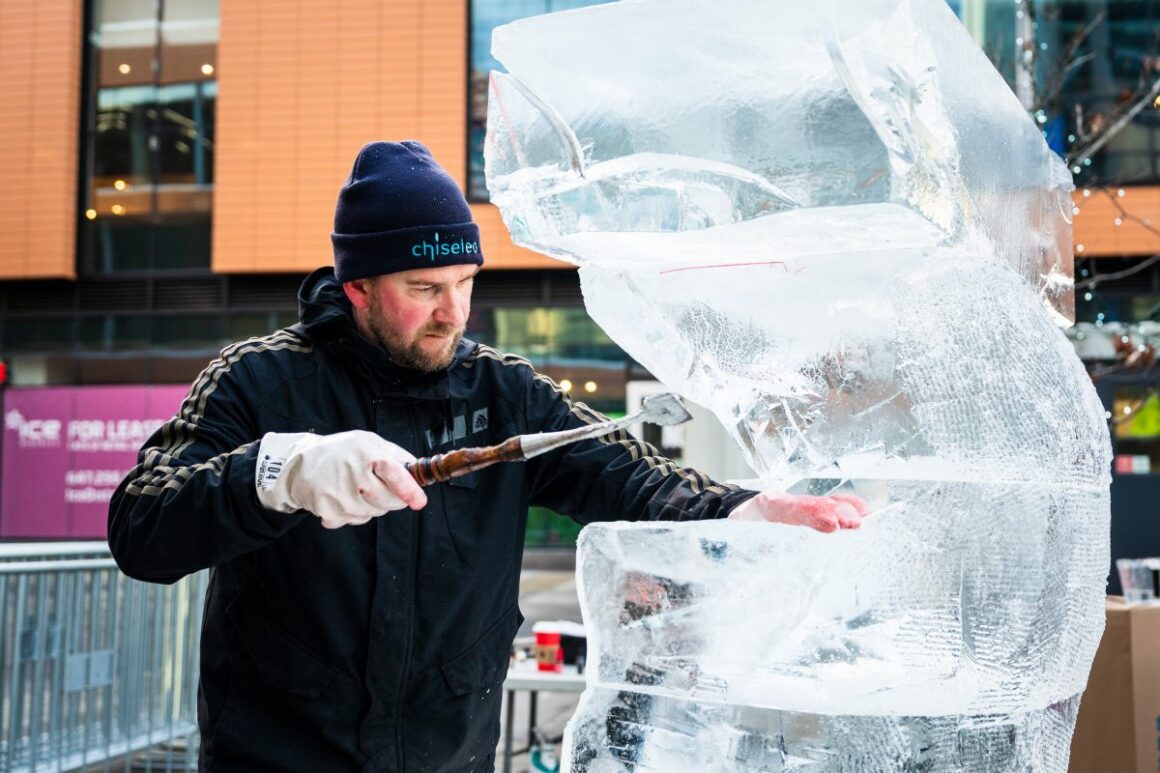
<point>65,449</point>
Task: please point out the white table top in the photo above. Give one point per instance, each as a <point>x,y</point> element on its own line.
<point>524,676</point>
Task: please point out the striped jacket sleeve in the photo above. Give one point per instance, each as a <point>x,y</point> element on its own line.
<point>190,503</point>
<point>616,477</point>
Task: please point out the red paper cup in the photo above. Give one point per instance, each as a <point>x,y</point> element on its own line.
<point>549,654</point>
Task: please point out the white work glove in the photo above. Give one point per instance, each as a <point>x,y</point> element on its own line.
<point>345,478</point>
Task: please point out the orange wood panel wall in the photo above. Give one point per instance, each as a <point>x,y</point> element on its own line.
<point>303,85</point>
<point>40,74</point>
<point>1098,235</point>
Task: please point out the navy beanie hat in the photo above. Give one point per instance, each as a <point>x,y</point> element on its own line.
<point>398,211</point>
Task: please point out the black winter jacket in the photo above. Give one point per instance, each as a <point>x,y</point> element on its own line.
<point>380,647</point>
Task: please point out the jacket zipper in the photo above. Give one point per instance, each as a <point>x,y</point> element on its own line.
<point>410,632</point>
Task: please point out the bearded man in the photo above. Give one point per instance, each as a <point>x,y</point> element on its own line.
<point>354,620</point>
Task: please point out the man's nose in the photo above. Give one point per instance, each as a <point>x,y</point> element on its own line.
<point>451,311</point>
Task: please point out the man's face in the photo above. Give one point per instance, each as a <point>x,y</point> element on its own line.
<point>417,316</point>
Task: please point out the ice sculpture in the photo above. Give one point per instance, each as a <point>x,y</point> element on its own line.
<point>832,224</point>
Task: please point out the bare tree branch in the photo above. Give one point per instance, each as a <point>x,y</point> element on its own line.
<point>1096,280</point>
<point>1122,116</point>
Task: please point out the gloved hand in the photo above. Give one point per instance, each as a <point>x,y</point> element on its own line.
<point>829,513</point>
<point>344,478</point>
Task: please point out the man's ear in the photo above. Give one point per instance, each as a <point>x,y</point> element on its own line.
<point>358,292</point>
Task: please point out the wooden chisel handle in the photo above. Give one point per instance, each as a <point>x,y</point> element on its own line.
<point>461,461</point>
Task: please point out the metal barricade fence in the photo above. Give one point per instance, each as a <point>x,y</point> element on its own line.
<point>93,666</point>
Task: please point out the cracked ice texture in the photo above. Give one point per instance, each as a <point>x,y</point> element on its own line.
<point>832,224</point>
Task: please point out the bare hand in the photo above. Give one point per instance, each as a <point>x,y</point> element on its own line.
<point>828,513</point>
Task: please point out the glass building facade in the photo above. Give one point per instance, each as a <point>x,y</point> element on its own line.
<point>149,139</point>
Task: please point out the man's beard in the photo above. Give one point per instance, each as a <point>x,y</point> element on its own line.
<point>411,354</point>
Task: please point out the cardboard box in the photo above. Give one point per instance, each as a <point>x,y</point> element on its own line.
<point>1118,730</point>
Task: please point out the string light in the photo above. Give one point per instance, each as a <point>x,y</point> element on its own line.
<point>1079,248</point>
<point>1119,221</point>
<point>1087,193</point>
<point>566,384</point>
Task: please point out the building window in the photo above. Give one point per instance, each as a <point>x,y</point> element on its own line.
<point>486,15</point>
<point>150,143</point>
<point>563,344</point>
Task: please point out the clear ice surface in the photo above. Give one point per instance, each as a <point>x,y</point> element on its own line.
<point>832,224</point>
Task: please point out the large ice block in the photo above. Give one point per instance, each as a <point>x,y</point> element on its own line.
<point>832,224</point>
<point>676,115</point>
<point>953,633</point>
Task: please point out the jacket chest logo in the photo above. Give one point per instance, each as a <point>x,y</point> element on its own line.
<point>458,428</point>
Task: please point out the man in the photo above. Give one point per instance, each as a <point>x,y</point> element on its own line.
<point>383,645</point>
